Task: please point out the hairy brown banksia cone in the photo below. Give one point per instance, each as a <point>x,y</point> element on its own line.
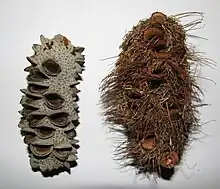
<point>151,95</point>
<point>50,111</point>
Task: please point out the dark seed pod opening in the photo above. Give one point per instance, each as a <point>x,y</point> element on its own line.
<point>45,132</point>
<point>35,88</point>
<point>60,119</point>
<point>155,83</point>
<point>41,150</point>
<point>27,110</point>
<point>155,79</point>
<point>51,68</point>
<point>54,100</point>
<point>36,75</point>
<point>35,118</point>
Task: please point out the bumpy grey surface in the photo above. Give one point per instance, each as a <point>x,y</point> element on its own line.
<point>50,110</point>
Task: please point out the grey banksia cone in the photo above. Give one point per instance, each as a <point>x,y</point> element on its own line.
<point>50,111</point>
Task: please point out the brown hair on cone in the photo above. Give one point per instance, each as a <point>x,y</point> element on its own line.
<point>151,92</point>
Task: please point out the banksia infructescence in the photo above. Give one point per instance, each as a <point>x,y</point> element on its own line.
<point>50,111</point>
<point>151,95</point>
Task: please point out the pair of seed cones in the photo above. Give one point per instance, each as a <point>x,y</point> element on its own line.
<point>150,97</point>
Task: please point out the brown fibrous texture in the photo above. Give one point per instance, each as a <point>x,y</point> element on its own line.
<point>151,96</point>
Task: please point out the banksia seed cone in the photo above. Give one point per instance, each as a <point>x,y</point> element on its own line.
<point>50,111</point>
<point>151,96</point>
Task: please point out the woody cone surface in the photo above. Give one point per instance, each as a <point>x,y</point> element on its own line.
<point>151,96</point>
<point>50,110</point>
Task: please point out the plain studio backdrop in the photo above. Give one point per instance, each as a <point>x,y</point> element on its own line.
<point>99,26</point>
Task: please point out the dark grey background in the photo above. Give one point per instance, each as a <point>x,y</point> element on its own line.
<point>98,25</point>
